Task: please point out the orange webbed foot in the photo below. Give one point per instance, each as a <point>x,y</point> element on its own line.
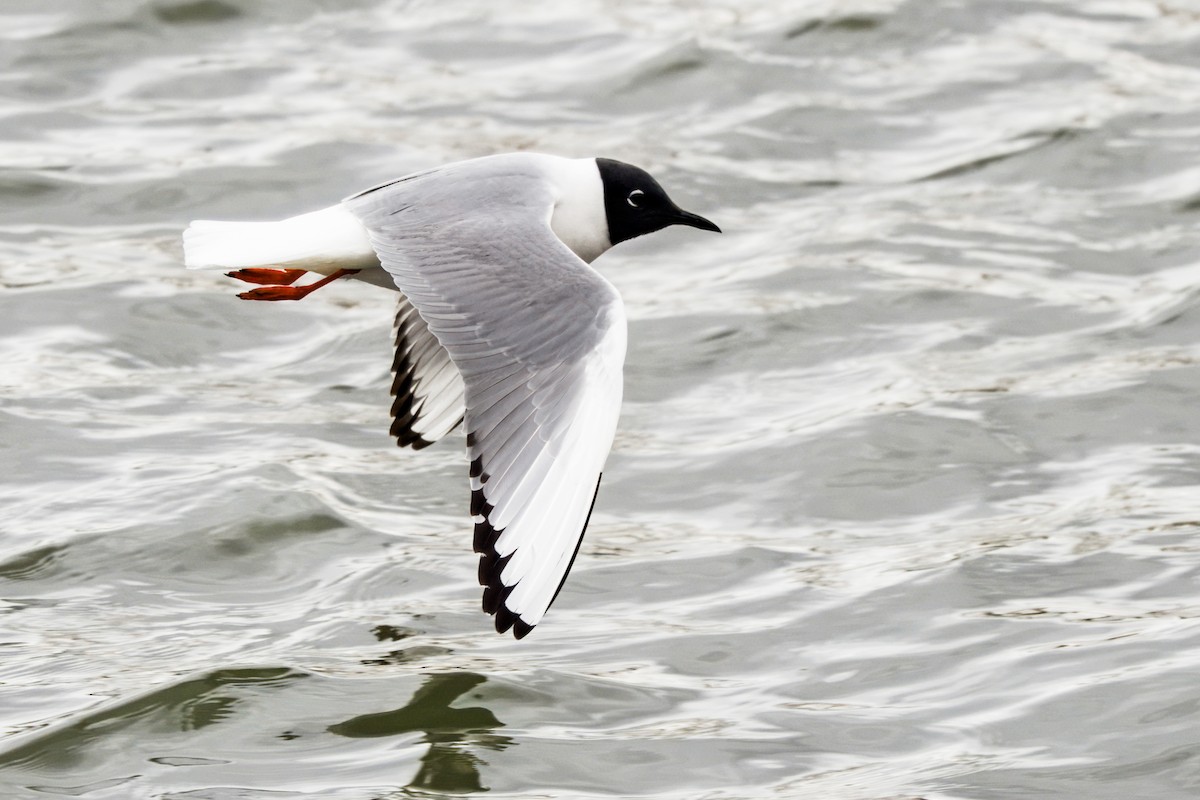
<point>276,293</point>
<point>267,277</point>
<point>293,292</point>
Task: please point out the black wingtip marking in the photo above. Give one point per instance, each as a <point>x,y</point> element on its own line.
<point>479,504</point>
<point>505,620</point>
<point>405,408</point>
<point>403,413</point>
<point>401,429</point>
<point>491,599</point>
<point>485,537</point>
<point>492,564</point>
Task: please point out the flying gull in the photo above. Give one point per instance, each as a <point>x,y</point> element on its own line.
<point>502,324</point>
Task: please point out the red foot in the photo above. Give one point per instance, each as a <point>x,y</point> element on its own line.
<point>267,277</point>
<point>275,293</point>
<point>293,292</point>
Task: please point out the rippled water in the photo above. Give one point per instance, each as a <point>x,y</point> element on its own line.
<point>903,503</point>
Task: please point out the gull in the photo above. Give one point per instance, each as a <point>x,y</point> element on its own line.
<point>502,325</point>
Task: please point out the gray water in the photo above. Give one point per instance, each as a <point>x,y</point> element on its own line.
<point>904,498</point>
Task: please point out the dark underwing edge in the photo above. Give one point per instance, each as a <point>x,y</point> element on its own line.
<point>491,563</point>
<point>405,409</point>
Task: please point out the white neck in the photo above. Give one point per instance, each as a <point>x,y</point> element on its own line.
<point>578,218</point>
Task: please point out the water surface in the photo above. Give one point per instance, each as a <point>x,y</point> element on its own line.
<point>903,502</point>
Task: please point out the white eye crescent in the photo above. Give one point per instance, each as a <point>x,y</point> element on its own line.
<point>635,198</point>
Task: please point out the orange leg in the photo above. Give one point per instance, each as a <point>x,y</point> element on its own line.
<point>267,277</point>
<point>293,292</point>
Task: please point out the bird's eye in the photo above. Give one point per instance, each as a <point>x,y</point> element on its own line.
<point>635,198</point>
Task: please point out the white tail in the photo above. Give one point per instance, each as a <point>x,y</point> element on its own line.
<point>322,241</point>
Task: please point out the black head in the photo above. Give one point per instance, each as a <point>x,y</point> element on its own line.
<point>635,204</point>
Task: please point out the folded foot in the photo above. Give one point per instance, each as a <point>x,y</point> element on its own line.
<point>293,292</point>
<point>267,277</point>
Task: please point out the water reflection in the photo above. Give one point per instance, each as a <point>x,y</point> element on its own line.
<point>190,705</point>
<point>448,766</point>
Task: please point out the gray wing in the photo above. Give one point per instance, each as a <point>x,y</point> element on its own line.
<point>428,389</point>
<point>539,339</point>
